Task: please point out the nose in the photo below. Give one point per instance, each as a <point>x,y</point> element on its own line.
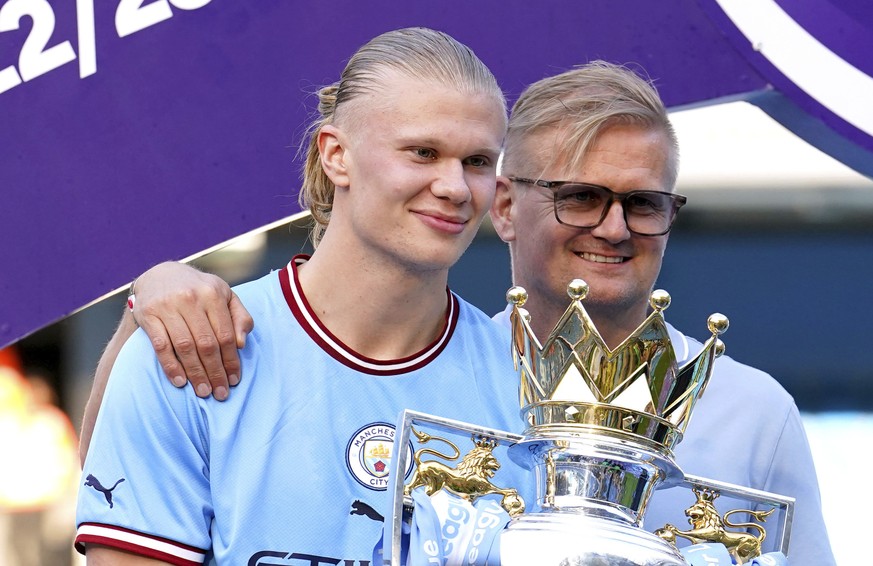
<point>451,183</point>
<point>613,229</point>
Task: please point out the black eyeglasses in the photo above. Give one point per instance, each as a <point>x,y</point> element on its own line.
<point>583,205</point>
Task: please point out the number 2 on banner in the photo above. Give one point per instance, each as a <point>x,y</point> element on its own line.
<point>132,16</point>
<point>35,59</point>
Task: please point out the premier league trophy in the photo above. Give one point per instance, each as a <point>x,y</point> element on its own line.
<point>601,428</point>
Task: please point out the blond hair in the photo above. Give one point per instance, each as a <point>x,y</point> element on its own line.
<point>418,53</point>
<point>581,103</point>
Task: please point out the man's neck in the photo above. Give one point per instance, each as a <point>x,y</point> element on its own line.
<point>377,310</point>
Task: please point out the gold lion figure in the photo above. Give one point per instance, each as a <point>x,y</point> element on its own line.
<point>708,526</point>
<point>470,480</point>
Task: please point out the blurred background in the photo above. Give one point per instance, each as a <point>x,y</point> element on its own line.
<point>777,236</point>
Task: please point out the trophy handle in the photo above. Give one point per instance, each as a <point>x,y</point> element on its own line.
<point>401,504</point>
<point>781,503</point>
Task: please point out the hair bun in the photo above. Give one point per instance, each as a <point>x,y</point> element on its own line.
<point>327,99</point>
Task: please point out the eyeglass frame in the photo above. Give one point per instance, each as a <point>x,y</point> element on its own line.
<point>678,201</point>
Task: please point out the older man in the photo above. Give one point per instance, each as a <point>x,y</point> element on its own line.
<point>586,191</point>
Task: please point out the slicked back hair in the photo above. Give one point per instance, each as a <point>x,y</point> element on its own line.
<point>418,53</point>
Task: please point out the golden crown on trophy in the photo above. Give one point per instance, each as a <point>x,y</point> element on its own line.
<point>575,382</point>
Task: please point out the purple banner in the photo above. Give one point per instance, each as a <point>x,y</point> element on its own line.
<point>135,131</point>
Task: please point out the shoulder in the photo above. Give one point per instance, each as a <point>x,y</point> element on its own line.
<point>264,298</point>
<point>137,385</point>
<point>503,317</point>
<point>734,379</point>
<point>258,293</point>
<point>136,364</point>
<point>480,342</point>
<point>739,403</point>
<point>488,332</point>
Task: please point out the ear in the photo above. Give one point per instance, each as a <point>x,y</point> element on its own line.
<point>503,210</point>
<point>334,157</point>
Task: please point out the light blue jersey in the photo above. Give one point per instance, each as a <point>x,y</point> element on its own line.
<point>292,468</point>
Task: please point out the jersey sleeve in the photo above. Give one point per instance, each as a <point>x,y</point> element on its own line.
<point>145,483</point>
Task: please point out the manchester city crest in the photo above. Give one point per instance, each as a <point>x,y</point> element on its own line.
<point>368,455</point>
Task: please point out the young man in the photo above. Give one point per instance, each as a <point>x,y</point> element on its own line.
<point>596,134</point>
<point>401,170</point>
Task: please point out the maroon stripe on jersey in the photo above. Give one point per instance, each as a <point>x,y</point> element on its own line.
<point>137,543</point>
<point>341,352</point>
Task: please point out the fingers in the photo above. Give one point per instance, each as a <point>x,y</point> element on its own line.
<point>178,348</point>
<point>242,320</point>
<point>198,343</point>
<point>222,368</point>
<point>207,373</point>
<point>163,346</point>
<point>187,316</point>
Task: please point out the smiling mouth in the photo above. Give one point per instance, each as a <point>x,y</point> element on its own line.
<point>443,223</point>
<point>601,258</point>
<point>448,217</point>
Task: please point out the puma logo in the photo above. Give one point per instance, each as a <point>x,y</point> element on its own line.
<point>107,492</point>
<point>361,508</point>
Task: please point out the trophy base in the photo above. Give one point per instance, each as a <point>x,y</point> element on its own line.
<point>571,539</point>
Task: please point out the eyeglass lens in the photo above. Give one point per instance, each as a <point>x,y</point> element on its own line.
<point>585,206</point>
